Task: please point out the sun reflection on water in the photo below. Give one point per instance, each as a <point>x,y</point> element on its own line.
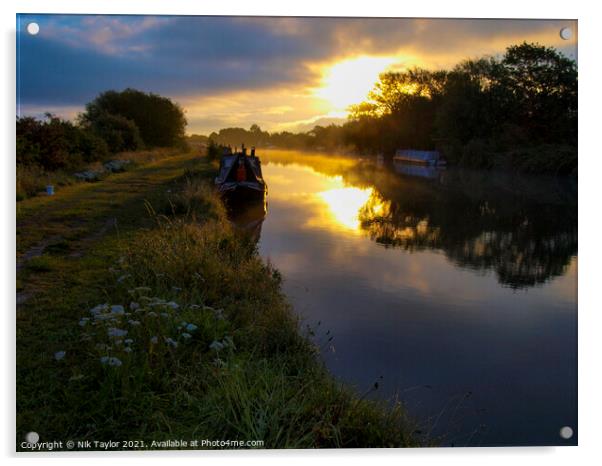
<point>344,205</point>
<point>347,206</point>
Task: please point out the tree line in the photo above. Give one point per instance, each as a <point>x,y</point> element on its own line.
<point>518,111</point>
<point>113,122</point>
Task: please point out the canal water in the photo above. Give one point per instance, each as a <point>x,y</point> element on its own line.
<point>454,291</point>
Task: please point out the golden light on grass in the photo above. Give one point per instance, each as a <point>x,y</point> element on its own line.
<point>348,82</point>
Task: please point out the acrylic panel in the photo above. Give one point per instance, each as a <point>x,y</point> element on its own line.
<point>295,232</point>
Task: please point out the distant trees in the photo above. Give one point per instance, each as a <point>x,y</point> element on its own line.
<point>518,111</point>
<point>320,137</point>
<point>160,122</point>
<point>479,113</point>
<point>254,136</point>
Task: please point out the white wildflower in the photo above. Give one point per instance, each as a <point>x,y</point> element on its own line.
<point>186,335</point>
<point>216,345</point>
<point>128,341</point>
<point>127,349</point>
<point>142,289</point>
<point>117,309</point>
<point>96,310</point>
<point>134,322</point>
<point>171,342</point>
<point>172,305</point>
<point>152,314</point>
<point>83,321</point>
<point>134,305</point>
<point>116,332</point>
<point>191,327</point>
<point>111,361</point>
<point>59,355</point>
<point>154,340</point>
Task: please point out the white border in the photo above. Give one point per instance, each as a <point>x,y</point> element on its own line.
<point>590,417</point>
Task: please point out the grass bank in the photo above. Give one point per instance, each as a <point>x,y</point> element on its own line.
<point>174,328</point>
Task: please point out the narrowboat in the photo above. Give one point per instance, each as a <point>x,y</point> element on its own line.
<point>429,158</point>
<point>240,178</point>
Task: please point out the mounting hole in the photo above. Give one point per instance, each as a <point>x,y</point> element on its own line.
<point>566,432</point>
<point>32,437</point>
<point>566,33</point>
<point>33,28</point>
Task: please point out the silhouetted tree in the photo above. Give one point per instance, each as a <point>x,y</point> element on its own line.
<point>160,121</point>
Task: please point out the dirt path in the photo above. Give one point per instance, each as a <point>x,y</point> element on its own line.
<point>71,222</point>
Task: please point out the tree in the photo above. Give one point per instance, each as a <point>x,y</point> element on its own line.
<point>161,122</point>
<point>544,86</point>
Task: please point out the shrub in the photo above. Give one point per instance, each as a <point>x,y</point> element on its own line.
<point>119,133</point>
<point>55,144</point>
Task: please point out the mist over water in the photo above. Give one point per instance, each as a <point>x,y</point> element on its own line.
<point>454,290</point>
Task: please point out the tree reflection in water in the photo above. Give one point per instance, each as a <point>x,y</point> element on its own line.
<point>522,228</point>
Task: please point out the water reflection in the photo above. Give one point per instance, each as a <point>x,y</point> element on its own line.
<point>345,204</point>
<point>522,228</point>
<point>429,282</point>
<point>248,218</point>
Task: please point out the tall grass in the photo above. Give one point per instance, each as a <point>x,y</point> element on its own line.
<point>194,339</point>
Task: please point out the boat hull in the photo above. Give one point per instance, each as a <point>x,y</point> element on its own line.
<point>239,193</point>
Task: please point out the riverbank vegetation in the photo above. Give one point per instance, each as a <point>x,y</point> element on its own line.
<point>115,124</point>
<point>516,112</point>
<point>173,327</point>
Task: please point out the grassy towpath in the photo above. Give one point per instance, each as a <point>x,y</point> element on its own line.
<point>78,211</point>
<point>146,317</point>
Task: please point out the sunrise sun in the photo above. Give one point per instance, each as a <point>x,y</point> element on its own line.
<point>349,82</point>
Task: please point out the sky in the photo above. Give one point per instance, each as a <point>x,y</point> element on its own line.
<point>282,73</point>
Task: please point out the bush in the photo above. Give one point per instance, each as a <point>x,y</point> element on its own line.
<point>119,133</point>
<point>54,144</point>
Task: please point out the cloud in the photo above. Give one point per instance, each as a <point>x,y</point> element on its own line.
<point>269,61</point>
